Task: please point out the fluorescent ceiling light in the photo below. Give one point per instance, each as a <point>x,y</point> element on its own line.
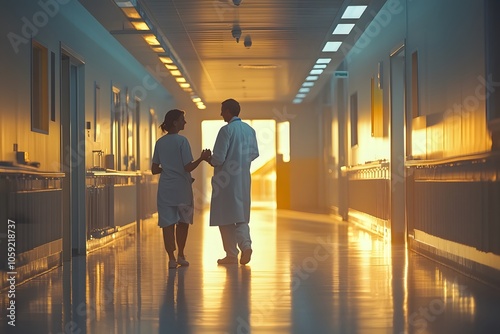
<point>151,39</point>
<point>323,66</point>
<point>304,90</point>
<point>300,95</point>
<point>123,4</point>
<point>308,84</point>
<point>180,79</point>
<point>140,25</point>
<point>170,66</point>
<point>353,12</point>
<point>331,46</point>
<point>323,61</point>
<point>166,60</point>
<point>184,85</point>
<point>158,49</point>
<point>343,29</point>
<point>316,72</point>
<point>312,78</point>
<point>258,66</point>
<point>131,13</point>
<point>297,101</point>
<point>176,73</point>
<point>196,99</point>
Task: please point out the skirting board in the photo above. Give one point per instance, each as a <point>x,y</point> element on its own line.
<point>467,260</point>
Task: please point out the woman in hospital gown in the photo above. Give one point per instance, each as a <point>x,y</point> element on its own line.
<point>173,160</point>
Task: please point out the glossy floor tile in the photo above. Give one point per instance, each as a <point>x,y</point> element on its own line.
<point>309,274</point>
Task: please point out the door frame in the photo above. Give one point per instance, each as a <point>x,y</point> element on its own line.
<point>397,135</point>
<point>72,113</point>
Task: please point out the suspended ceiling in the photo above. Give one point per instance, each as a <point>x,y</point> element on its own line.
<point>287,38</point>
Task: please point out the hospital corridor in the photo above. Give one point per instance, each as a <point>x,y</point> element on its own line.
<point>360,138</point>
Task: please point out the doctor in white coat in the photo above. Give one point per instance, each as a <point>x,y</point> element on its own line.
<point>234,150</point>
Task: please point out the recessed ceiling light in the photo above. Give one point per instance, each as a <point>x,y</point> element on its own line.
<point>258,66</point>
<point>323,66</point>
<point>300,95</point>
<point>304,90</point>
<point>297,101</point>
<point>353,12</point>
<point>166,60</point>
<point>312,78</point>
<point>158,49</point>
<point>125,3</point>
<point>331,46</point>
<point>323,61</point>
<point>151,39</point>
<point>308,84</point>
<point>171,66</point>
<point>316,72</point>
<point>140,25</point>
<point>343,29</point>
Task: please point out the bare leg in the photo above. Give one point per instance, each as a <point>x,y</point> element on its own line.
<point>169,241</point>
<point>181,232</point>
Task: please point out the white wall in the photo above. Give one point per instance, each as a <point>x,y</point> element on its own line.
<point>449,38</point>
<point>383,34</point>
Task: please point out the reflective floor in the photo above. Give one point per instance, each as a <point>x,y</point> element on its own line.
<point>309,274</point>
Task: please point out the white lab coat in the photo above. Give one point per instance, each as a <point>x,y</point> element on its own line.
<point>235,148</point>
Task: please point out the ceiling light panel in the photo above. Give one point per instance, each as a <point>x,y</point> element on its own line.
<point>316,72</point>
<point>332,46</point>
<point>343,29</point>
<point>323,60</point>
<point>353,12</point>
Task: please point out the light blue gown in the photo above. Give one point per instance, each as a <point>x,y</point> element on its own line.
<point>175,194</point>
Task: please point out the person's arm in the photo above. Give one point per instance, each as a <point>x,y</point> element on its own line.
<point>156,169</point>
<point>205,154</point>
<point>220,148</point>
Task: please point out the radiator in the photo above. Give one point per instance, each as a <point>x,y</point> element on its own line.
<point>99,206</point>
<point>33,201</point>
<point>368,191</point>
<point>457,202</point>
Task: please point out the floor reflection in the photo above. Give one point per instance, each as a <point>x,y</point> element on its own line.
<point>234,310</point>
<point>174,311</point>
<point>309,274</point>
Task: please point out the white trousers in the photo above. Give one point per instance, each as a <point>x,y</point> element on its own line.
<point>235,235</point>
